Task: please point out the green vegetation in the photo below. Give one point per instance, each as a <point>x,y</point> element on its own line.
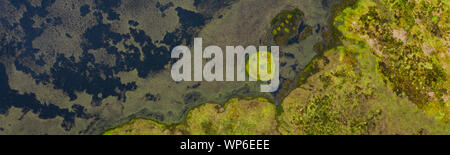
<point>143,127</point>
<point>347,95</point>
<point>409,39</point>
<point>237,117</point>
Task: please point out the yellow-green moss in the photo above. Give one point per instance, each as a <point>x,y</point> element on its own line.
<point>348,96</point>
<point>409,45</point>
<point>142,127</point>
<point>236,117</point>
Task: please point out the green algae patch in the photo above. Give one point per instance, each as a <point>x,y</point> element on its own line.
<point>285,25</point>
<point>261,66</point>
